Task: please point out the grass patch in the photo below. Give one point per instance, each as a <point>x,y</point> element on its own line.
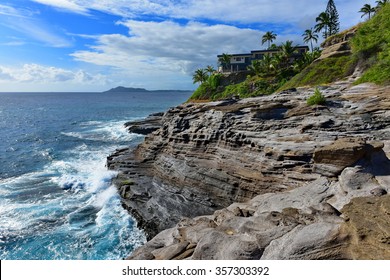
<point>371,45</point>
<point>207,89</point>
<point>251,87</point>
<point>316,99</point>
<point>378,74</point>
<point>323,72</point>
<point>203,92</point>
<point>127,183</point>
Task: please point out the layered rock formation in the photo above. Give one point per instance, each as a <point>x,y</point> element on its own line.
<point>338,45</point>
<point>266,177</point>
<point>145,126</point>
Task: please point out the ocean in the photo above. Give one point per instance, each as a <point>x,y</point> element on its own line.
<point>56,196</point>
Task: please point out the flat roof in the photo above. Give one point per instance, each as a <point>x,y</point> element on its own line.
<point>261,51</point>
<point>237,54</point>
<point>276,50</point>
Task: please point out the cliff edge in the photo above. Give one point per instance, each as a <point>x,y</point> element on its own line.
<point>267,177</point>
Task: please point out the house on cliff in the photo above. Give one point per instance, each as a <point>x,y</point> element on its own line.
<point>240,62</point>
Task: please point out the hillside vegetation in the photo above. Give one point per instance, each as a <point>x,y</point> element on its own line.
<point>371,46</point>
<point>370,52</point>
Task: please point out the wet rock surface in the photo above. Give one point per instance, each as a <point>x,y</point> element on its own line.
<point>259,178</point>
<point>145,126</point>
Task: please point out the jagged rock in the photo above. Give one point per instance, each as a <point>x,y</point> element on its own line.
<point>342,153</point>
<point>145,126</point>
<point>250,178</point>
<point>378,192</point>
<point>338,45</point>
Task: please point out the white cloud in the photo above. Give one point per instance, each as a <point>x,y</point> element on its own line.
<point>34,74</point>
<point>24,21</point>
<point>11,11</point>
<point>154,47</point>
<point>40,32</point>
<point>168,46</point>
<point>35,77</point>
<point>14,43</point>
<point>5,75</point>
<point>68,5</point>
<point>242,11</point>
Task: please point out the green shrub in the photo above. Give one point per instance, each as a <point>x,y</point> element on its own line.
<point>316,99</point>
<point>214,81</point>
<point>207,89</point>
<point>323,72</point>
<point>203,92</point>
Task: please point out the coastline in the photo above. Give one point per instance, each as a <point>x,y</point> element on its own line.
<point>216,174</point>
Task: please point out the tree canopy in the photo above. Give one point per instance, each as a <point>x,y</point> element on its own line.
<point>367,9</point>
<point>309,36</point>
<point>269,37</point>
<point>331,10</point>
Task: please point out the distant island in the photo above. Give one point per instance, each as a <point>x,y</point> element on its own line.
<point>131,89</point>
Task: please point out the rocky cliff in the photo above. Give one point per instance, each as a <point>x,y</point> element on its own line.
<point>267,177</point>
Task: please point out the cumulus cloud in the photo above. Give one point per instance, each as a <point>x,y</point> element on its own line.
<point>167,45</point>
<point>34,73</point>
<point>170,46</point>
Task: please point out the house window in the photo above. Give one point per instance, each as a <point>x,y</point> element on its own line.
<point>238,58</point>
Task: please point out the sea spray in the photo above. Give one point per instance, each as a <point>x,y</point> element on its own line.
<point>56,196</point>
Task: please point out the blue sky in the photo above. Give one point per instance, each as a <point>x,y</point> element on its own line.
<point>93,45</point>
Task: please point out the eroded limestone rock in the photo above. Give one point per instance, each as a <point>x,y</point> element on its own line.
<point>264,177</point>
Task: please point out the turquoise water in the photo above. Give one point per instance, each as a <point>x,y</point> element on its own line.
<point>56,196</point>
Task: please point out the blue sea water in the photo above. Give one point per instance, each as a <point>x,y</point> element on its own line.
<point>56,196</point>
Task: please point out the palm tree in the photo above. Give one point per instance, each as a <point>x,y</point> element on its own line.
<point>287,50</point>
<point>200,76</point>
<point>380,4</point>
<point>367,10</point>
<point>264,66</point>
<point>277,61</point>
<point>268,63</point>
<point>225,60</point>
<point>323,23</point>
<point>269,37</point>
<point>256,67</point>
<point>210,69</point>
<point>310,35</point>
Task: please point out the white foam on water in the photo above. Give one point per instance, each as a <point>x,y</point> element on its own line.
<point>81,216</point>
<point>102,131</point>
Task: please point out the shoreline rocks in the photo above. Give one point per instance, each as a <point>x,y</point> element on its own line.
<point>145,126</point>
<point>265,177</point>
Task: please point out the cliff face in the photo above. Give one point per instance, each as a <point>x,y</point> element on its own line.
<point>270,177</point>
<point>338,45</point>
